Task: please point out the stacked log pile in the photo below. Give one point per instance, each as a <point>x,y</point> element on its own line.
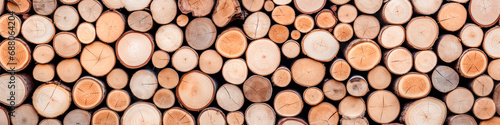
<point>255,62</point>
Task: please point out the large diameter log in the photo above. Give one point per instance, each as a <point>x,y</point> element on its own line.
<point>257,89</point>
<point>484,108</point>
<point>308,72</point>
<point>16,53</point>
<point>77,117</point>
<point>334,90</point>
<point>444,79</point>
<point>44,72</point>
<point>391,36</point>
<point>141,113</point>
<point>422,32</point>
<point>168,78</point>
<point>428,110</point>
<point>201,33</point>
<point>231,43</point>
<point>143,84</point>
<point>18,6</point>
<point>363,54</point>
<point>452,16</point>
<point>106,117</point>
<point>257,25</point>
<point>379,77</point>
<point>55,104</point>
<point>368,6</point>
<point>38,29</point>
<point>90,10</point>
<point>43,53</point>
<point>425,61</point>
<point>66,18</point>
<point>17,88</point>
<point>66,44</point>
<point>133,5</point>
<point>140,21</point>
<point>471,35</point>
<point>229,97</point>
<point>352,107</point>
<point>397,11</point>
<point>88,92</point>
<point>459,100</point>
<point>185,59</point>
<point>449,48</point>
<point>288,103</point>
<point>347,13</point>
<point>178,115</point>
<point>197,8</point>
<point>357,86</point>
<point>263,57</point>
<point>225,11</point>
<point>211,116</point>
<point>98,58</point>
<point>235,118</point>
<point>484,12</point>
<point>195,91</point>
<point>463,119</point>
<point>309,6</point>
<point>110,26</point>
<point>482,85</point>
<point>4,115</point>
<point>383,106</point>
<point>169,37</point>
<point>260,114</point>
<point>472,63</point>
<point>398,60</point>
<point>413,86</point>
<point>284,15</point>
<point>490,43</point>
<point>426,7</point>
<point>323,113</point>
<point>313,96</point>
<point>134,49</point>
<point>163,11</point>
<point>6,29</point>
<point>24,115</point>
<point>118,100</point>
<point>320,45</point>
<point>117,78</point>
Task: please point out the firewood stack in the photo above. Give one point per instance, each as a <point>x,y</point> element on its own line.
<point>254,62</point>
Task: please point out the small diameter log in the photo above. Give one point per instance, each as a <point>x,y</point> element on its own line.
<point>66,18</point>
<point>425,61</point>
<point>69,2</point>
<point>304,23</point>
<point>284,15</point>
<point>309,6</point>
<point>290,49</point>
<point>211,116</point>
<point>421,32</point>
<point>257,25</point>
<point>134,49</point>
<point>160,59</point>
<point>201,33</point>
<point>463,119</point>
<point>110,26</point>
<point>323,113</point>
<point>88,92</point>
<point>471,35</point>
<point>90,10</point>
<point>354,121</point>
<point>66,44</point>
<point>363,54</point>
<point>295,34</point>
<point>307,72</point>
<point>472,63</point>
<point>334,90</point>
<point>449,48</point>
<point>133,5</point>
<point>229,97</point>
<point>347,13</point>
<point>44,72</point>
<point>493,121</point>
<point>141,113</point>
<point>105,116</point>
<point>169,37</point>
<point>357,86</point>
<point>452,16</point>
<point>391,36</point>
<point>343,32</point>
<point>51,106</point>
<point>22,87</point>
<point>163,11</point>
<point>278,33</point>
<point>261,114</point>
<point>4,114</point>
<point>43,53</point>
<point>313,96</point>
<point>210,62</point>
<point>140,21</point>
<point>398,60</point>
<point>428,110</point>
<point>288,103</point>
<point>325,19</point>
<point>484,108</point>
<point>445,79</point>
<point>383,106</point>
<point>143,84</point>
<point>490,43</point>
<point>352,107</point>
<point>235,118</point>
<point>484,12</point>
<point>24,115</point>
<point>426,7</point>
<point>195,91</point>
<point>113,4</point>
<point>231,43</point>
<point>366,27</point>
<point>413,86</point>
<point>482,85</point>
<point>291,121</point>
<point>164,98</point>
<point>493,69</point>
<point>198,9</point>
<point>22,55</point>
<point>459,100</point>
<point>44,7</point>
<point>50,122</point>
<point>77,117</point>
<point>397,11</point>
<point>281,77</point>
<point>263,57</point>
<point>38,29</point>
<point>178,115</point>
<point>118,100</point>
<point>182,20</point>
<point>226,11</point>
<point>168,78</point>
<point>117,78</point>
<point>185,59</point>
<point>98,65</point>
<point>6,29</point>
<point>86,33</point>
<point>18,6</point>
<point>320,45</point>
<point>379,77</point>
<point>368,6</point>
<point>257,89</point>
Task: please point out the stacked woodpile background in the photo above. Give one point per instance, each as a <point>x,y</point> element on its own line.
<point>255,62</point>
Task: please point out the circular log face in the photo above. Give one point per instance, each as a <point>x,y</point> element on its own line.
<point>169,37</point>
<point>452,16</point>
<point>347,13</point>
<point>363,54</point>
<point>195,91</point>
<point>490,44</point>
<point>340,70</point>
<point>140,21</point>
<point>257,89</point>
<point>445,79</point>
<point>22,56</point>
<point>383,106</point>
<point>164,98</point>
<point>449,48</point>
<point>391,36</point>
<point>471,35</point>
<point>66,18</point>
<point>366,27</point>
<point>43,53</point>
<point>90,10</point>
<point>85,33</point>
<point>231,43</point>
<point>117,78</point>
<point>483,12</point>
<point>263,57</point>
<point>307,72</point>
<point>484,108</point>
<point>110,26</point>
<point>44,7</point>
<point>413,86</point>
<point>106,117</point>
<point>235,118</point>
<point>201,33</point>
<point>98,58</point>
<point>343,32</point>
<point>163,11</point>
<point>88,92</point>
<point>257,25</point>
<point>77,116</point>
<point>425,61</point>
<point>284,15</point>
<point>197,8</point>
<point>118,100</point>
<point>320,45</point>
<point>309,6</point>
<point>230,97</point>
<point>292,121</point>
<point>177,115</point>
<point>397,11</point>
<point>398,60</point>
<point>290,49</point>
<point>482,85</point>
<point>313,95</point>
<point>6,29</point>
<point>143,84</point>
<point>352,107</point>
<point>422,32</point>
<point>379,77</point>
<point>459,100</point>
<point>141,113</point>
<point>323,113</point>
<point>325,19</point>
<point>24,115</point>
<point>210,62</point>
<point>473,62</point>
<point>211,116</point>
<point>168,78</point>
<point>260,114</point>
<point>134,49</point>
<point>426,7</point>
<point>21,92</point>
<point>462,119</point>
<point>334,90</point>
<point>66,44</point>
<point>428,110</point>
<point>51,106</point>
<point>288,103</point>
<point>38,29</point>
<point>368,6</point>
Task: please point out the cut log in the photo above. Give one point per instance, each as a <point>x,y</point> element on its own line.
<point>325,19</point>
<point>413,86</point>
<point>141,113</point>
<point>160,59</point>
<point>163,11</point>
<point>463,119</point>
<point>309,6</point>
<point>368,6</point>
<point>282,2</point>
<point>472,63</point>
<point>235,118</point>
<point>44,72</point>
<point>169,37</point>
<point>257,89</point>
<point>118,100</point>
<point>50,122</point>
<point>143,84</point>
<point>482,85</point>
<point>290,49</point>
<point>357,86</point>
<point>69,2</point>
<point>428,110</point>
<point>496,97</point>
<point>226,11</point>
<point>210,62</point>
<point>97,65</point>
<point>177,115</point>
<point>140,21</point>
<point>66,18</point>
<point>185,59</point>
<point>113,4</point>
<point>313,96</point>
<point>88,92</point>
<point>334,90</point>
<point>134,49</point>
<point>268,5</point>
<point>295,34</point>
<point>77,117</point>
<point>347,13</point>
<point>110,26</point>
<point>459,100</point>
<point>398,60</point>
<point>4,114</point>
<point>354,121</point>
<point>490,43</point>
<point>366,27</point>
<point>426,7</point>
<point>22,87</point>
<point>445,79</point>
<point>253,5</point>
<point>448,48</point>
<point>106,117</point>
<point>66,44</point>
<point>260,114</point>
<point>471,35</point>
<point>168,78</point>
<point>281,77</point>
<point>291,121</point>
<point>383,106</point>
<point>320,45</point>
<point>18,6</point>
<point>164,98</point>
<point>90,10</point>
<point>493,121</point>
<point>484,12</point>
<point>17,61</point>
<point>379,77</point>
<point>182,20</point>
<point>323,113</point>
<point>391,36</point>
<point>484,108</point>
<point>493,69</point>
<point>11,25</point>
<point>44,7</point>
<point>398,11</point>
<point>197,8</point>
<point>421,32</point>
<point>343,32</point>
<point>231,43</point>
<point>51,106</point>
<point>307,72</point>
<point>339,2</point>
<point>256,25</point>
<point>304,23</point>
<point>195,91</point>
<point>86,33</point>
<point>229,97</point>
<point>425,61</point>
<point>38,29</point>
<point>263,57</point>
<point>24,115</point>
<point>201,33</point>
<point>133,5</point>
<point>211,116</point>
<point>452,16</point>
<point>363,54</point>
<point>43,53</point>
<point>288,103</point>
<point>117,78</point>
<point>278,33</point>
